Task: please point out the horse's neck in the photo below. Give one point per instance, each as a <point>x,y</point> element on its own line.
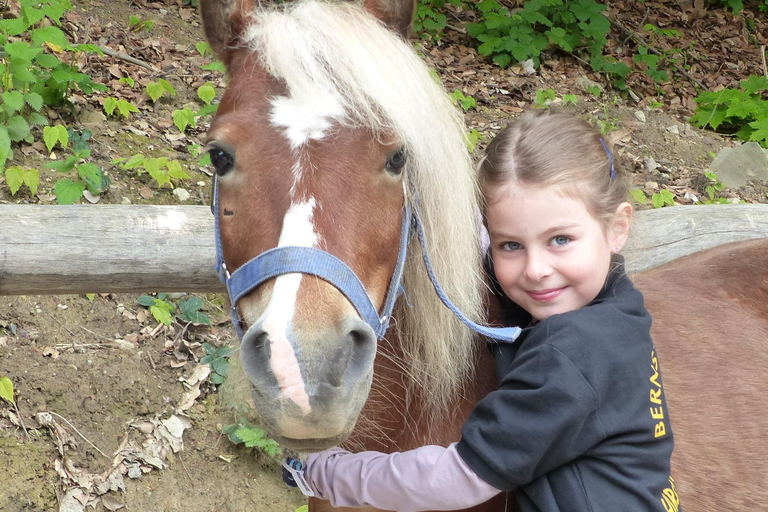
<point>396,416</point>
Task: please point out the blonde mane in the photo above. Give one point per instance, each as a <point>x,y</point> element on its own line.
<point>318,47</point>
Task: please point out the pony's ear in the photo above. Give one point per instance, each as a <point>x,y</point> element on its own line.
<point>397,14</point>
<point>224,21</point>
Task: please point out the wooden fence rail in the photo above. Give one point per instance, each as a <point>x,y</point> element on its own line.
<point>140,249</point>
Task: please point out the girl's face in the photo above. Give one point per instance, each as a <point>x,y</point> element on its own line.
<point>551,255</point>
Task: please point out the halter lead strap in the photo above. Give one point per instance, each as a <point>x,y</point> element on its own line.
<point>309,260</point>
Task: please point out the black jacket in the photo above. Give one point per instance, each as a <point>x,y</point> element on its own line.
<point>579,422</point>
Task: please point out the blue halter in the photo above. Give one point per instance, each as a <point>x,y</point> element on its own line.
<point>316,262</point>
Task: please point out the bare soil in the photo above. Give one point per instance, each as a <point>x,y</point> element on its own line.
<point>109,376</point>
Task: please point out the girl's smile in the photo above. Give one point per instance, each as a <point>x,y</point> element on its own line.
<point>546,295</point>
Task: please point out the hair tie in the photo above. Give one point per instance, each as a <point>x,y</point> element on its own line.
<point>610,158</point>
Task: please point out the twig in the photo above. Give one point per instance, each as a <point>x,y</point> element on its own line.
<point>128,58</point>
<point>762,52</point>
<point>64,326</point>
<point>642,23</point>
<point>78,433</point>
<point>21,419</point>
<point>151,361</point>
<point>185,467</point>
<point>96,334</point>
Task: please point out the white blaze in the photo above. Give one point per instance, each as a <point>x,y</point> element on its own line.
<point>298,230</point>
<point>305,117</point>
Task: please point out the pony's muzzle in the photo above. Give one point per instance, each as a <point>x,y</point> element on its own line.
<point>311,374</point>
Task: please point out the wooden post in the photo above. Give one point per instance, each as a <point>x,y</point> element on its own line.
<point>109,248</point>
<point>665,234</point>
<point>141,249</point>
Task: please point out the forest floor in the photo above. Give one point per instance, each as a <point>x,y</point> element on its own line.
<point>113,381</point>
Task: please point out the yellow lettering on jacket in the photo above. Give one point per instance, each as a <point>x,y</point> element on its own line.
<point>669,498</point>
<point>656,409</point>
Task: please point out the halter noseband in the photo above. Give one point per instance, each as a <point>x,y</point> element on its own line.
<point>316,262</point>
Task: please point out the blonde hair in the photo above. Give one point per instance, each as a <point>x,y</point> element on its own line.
<point>546,149</point>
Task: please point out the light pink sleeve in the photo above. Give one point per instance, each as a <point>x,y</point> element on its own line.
<point>427,478</point>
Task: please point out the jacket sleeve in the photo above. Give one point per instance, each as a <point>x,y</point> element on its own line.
<point>543,415</point>
<point>427,478</point>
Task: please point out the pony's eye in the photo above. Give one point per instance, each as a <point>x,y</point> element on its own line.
<point>396,161</point>
<point>222,160</point>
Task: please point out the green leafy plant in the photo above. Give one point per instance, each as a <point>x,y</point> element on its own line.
<point>544,97</point>
<point>609,122</point>
<point>6,390</point>
<point>650,63</point>
<point>87,174</point>
<point>157,90</point>
<point>253,437</point>
<point>737,5</point>
<point>569,98</point>
<point>161,309</point>
<point>16,176</point>
<point>160,169</point>
<point>37,68</point>
<point>123,107</point>
<point>638,195</point>
<point>472,138</point>
<point>185,117</point>
<point>217,359</point>
<point>509,36</point>
<point>164,310</point>
<point>663,197</point>
<point>466,102</point>
<point>428,21</point>
<point>713,188</point>
<point>742,112</point>
<point>7,394</point>
<point>137,24</point>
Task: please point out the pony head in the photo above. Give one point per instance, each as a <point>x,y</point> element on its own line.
<point>328,119</point>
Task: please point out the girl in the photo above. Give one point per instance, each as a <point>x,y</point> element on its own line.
<point>579,422</point>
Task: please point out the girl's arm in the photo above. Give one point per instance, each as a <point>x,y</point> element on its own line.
<point>427,478</point>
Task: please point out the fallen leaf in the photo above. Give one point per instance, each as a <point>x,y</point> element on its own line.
<point>50,352</point>
<point>70,503</point>
<point>111,503</point>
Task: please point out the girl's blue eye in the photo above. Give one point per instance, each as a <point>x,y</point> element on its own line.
<point>511,246</point>
<point>561,240</point>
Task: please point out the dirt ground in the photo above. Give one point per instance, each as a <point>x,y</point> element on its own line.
<point>113,382</point>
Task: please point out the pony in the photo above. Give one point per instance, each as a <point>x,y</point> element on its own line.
<point>330,133</point>
<point>710,329</point>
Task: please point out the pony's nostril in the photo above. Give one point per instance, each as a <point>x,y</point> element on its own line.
<point>363,341</point>
<point>255,352</point>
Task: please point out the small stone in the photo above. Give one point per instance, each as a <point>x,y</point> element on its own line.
<point>181,193</point>
<point>529,68</point>
<point>91,197</point>
<point>735,166</point>
<point>650,164</point>
<point>146,193</point>
<point>126,200</point>
<point>640,116</point>
<point>673,129</point>
<point>586,84</point>
<point>651,187</point>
